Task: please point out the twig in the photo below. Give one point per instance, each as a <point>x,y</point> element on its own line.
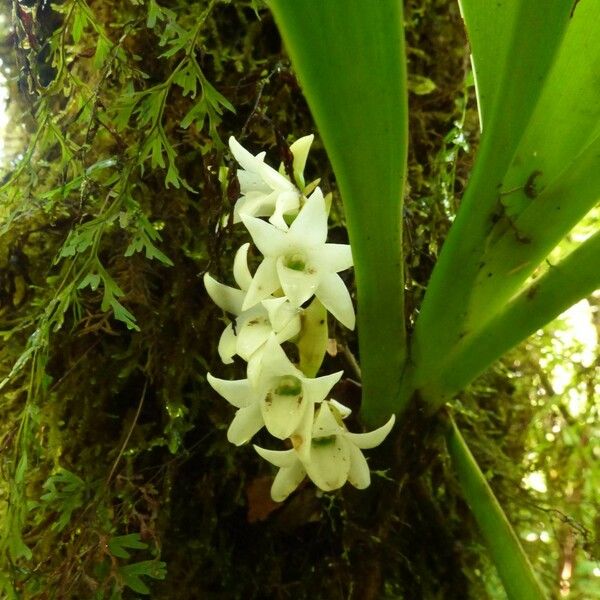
<point>127,438</point>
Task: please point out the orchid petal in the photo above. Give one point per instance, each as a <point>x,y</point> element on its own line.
<point>279,310</point>
<point>318,388</point>
<point>245,424</point>
<point>239,392</point>
<point>255,204</point>
<point>310,226</point>
<point>264,283</point>
<point>254,367</point>
<point>358,475</point>
<point>371,438</point>
<point>343,410</point>
<point>276,362</point>
<point>325,423</point>
<point>282,414</point>
<point>225,297</point>
<point>287,480</point>
<point>241,272</point>
<point>268,239</point>
<point>247,160</point>
<point>253,334</point>
<point>335,297</point>
<point>287,202</point>
<point>251,182</point>
<point>227,345</point>
<point>279,458</point>
<point>302,436</point>
<point>291,330</point>
<point>336,257</point>
<point>274,179</point>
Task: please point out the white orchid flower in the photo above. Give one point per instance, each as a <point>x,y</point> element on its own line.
<point>248,333</point>
<point>281,398</point>
<point>265,191</point>
<point>335,456</point>
<point>301,262</point>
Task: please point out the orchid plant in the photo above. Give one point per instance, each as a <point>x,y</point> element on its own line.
<point>268,309</point>
<point>536,175</point>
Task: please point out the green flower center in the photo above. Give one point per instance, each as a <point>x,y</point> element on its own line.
<point>288,385</point>
<point>326,440</point>
<point>295,262</point>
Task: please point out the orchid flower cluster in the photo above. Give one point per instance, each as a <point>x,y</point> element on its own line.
<point>270,308</point>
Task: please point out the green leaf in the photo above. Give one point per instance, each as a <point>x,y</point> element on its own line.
<point>530,237</point>
<point>117,545</point>
<point>65,494</point>
<point>149,109</point>
<point>79,23</point>
<point>131,574</point>
<point>567,116</point>
<point>21,469</point>
<point>187,79</point>
<point>109,299</point>
<point>354,80</point>
<point>489,28</point>
<point>105,163</point>
<point>91,279</point>
<point>512,563</point>
<point>122,314</point>
<point>155,13</point>
<point>157,159</point>
<point>79,240</point>
<point>214,97</point>
<point>554,178</point>
<point>17,548</point>
<point>103,47</point>
<point>124,108</point>
<point>177,38</point>
<point>573,278</point>
<point>510,105</point>
<point>211,105</point>
<point>143,243</point>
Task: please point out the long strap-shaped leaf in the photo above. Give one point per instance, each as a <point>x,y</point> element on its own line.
<point>507,553</point>
<point>349,57</point>
<point>567,116</point>
<point>575,277</point>
<point>554,178</point>
<point>489,30</point>
<point>537,29</point>
<point>529,237</point>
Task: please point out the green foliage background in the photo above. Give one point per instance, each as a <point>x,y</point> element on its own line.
<point>117,480</point>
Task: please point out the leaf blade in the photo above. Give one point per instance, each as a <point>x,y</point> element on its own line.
<point>355,84</point>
